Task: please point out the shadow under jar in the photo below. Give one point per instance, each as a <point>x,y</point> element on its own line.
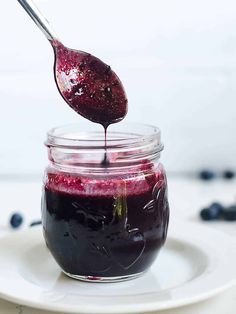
<point>105,221</point>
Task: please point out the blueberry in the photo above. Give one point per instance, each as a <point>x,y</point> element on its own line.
<point>16,220</point>
<point>216,208</point>
<point>35,223</point>
<point>214,211</point>
<point>229,213</point>
<point>205,214</point>
<point>206,175</point>
<point>228,174</point>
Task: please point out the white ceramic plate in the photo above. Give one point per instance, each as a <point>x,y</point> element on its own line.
<point>196,263</point>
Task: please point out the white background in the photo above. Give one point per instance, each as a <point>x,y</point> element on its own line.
<point>177,60</point>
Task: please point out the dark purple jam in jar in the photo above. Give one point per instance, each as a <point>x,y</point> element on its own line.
<point>105,223</point>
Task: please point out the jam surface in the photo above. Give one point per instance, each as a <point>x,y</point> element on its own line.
<point>105,227</point>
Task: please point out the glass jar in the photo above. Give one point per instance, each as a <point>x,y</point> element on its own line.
<point>105,221</point>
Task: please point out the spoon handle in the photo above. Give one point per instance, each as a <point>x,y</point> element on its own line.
<point>38,18</point>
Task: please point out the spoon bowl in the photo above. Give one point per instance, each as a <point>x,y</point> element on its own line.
<point>89,86</point>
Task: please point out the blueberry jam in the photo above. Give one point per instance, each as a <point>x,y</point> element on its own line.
<point>104,227</point>
<point>89,86</point>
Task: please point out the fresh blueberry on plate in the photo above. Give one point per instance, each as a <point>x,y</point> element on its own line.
<point>16,220</point>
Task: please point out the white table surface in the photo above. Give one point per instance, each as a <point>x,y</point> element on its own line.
<point>187,196</point>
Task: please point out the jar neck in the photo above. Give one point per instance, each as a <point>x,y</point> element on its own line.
<point>127,147</point>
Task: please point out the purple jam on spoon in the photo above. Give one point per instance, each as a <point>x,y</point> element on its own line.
<point>89,86</point>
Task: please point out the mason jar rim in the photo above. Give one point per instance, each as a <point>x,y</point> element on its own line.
<point>120,135</point>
